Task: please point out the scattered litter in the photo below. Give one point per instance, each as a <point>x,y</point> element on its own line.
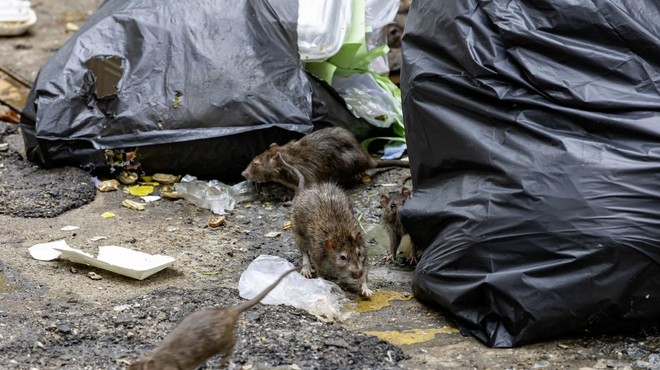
<point>216,221</point>
<point>71,27</point>
<point>123,261</point>
<point>394,150</point>
<point>16,17</point>
<point>408,337</point>
<point>164,178</point>
<point>273,234</point>
<point>14,90</point>
<point>108,215</point>
<point>97,238</point>
<point>108,185</point>
<point>562,346</point>
<point>127,178</point>
<point>132,205</point>
<point>381,299</point>
<point>212,195</point>
<point>322,298</point>
<point>150,198</point>
<point>46,251</point>
<point>168,192</point>
<point>243,192</point>
<point>4,147</point>
<point>121,307</point>
<point>70,228</point>
<point>140,190</point>
<point>8,115</point>
<point>287,225</point>
<point>94,276</point>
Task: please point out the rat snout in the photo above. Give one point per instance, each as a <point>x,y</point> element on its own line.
<point>246,174</point>
<point>356,274</point>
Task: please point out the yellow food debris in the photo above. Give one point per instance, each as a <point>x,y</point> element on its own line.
<point>165,178</point>
<point>132,205</point>
<point>407,337</point>
<point>216,221</point>
<point>140,190</point>
<point>381,299</point>
<point>108,215</point>
<point>108,185</point>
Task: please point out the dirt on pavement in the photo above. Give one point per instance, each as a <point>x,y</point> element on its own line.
<point>53,315</point>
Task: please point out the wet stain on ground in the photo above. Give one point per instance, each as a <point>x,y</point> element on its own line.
<point>412,336</point>
<point>5,286</point>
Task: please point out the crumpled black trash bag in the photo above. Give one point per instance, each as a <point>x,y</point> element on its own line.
<point>205,86</point>
<point>533,131</point>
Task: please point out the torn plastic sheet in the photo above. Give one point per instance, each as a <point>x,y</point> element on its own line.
<point>533,133</point>
<point>205,103</point>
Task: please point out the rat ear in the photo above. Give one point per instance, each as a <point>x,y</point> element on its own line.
<point>384,200</point>
<point>405,192</point>
<point>329,245</point>
<point>272,145</point>
<point>357,237</point>
<point>273,151</point>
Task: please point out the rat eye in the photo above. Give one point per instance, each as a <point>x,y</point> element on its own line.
<point>392,206</point>
<point>343,257</point>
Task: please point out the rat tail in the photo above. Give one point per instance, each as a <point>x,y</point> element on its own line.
<point>301,178</point>
<point>248,304</point>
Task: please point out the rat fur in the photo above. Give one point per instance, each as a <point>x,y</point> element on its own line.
<point>330,154</point>
<point>392,222</point>
<point>199,336</point>
<point>326,232</point>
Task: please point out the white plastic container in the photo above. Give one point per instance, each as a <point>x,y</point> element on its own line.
<point>16,17</point>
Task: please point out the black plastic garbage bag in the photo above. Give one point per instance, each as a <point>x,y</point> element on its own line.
<point>533,130</point>
<point>199,87</point>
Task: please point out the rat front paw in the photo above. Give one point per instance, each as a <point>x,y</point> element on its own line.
<point>306,272</point>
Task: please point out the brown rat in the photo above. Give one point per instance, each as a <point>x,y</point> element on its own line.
<point>199,336</point>
<point>326,232</point>
<point>329,154</point>
<point>392,222</point>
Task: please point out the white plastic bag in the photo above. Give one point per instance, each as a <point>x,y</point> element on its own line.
<point>322,27</point>
<point>321,298</point>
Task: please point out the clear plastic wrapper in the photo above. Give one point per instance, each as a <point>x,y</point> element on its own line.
<point>212,195</point>
<point>368,100</point>
<point>320,297</point>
